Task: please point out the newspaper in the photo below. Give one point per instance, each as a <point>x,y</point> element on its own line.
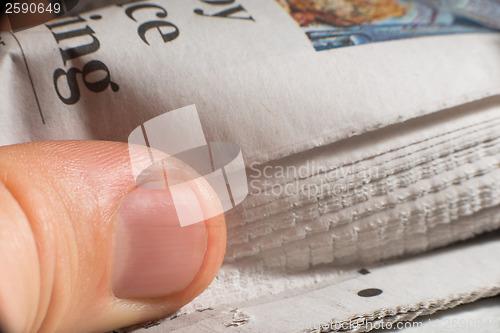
<point>247,64</point>
<point>371,298</point>
<point>270,77</point>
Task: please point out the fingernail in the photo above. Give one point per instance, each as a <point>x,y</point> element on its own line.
<point>154,255</point>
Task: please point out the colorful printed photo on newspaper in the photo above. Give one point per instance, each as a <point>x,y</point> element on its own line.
<point>331,24</point>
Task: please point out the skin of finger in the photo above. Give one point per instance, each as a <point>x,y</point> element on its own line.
<point>69,192</point>
<point>19,291</point>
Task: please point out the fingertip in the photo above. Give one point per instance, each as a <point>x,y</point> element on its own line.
<point>154,255</point>
<point>80,188</point>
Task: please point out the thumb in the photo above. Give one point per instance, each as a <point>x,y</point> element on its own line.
<point>83,249</point>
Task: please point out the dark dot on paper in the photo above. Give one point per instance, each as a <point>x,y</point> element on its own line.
<point>96,17</point>
<point>114,86</point>
<point>370,292</point>
<point>363,271</point>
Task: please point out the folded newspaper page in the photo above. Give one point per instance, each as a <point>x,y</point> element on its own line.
<point>247,64</point>
<point>369,130</point>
